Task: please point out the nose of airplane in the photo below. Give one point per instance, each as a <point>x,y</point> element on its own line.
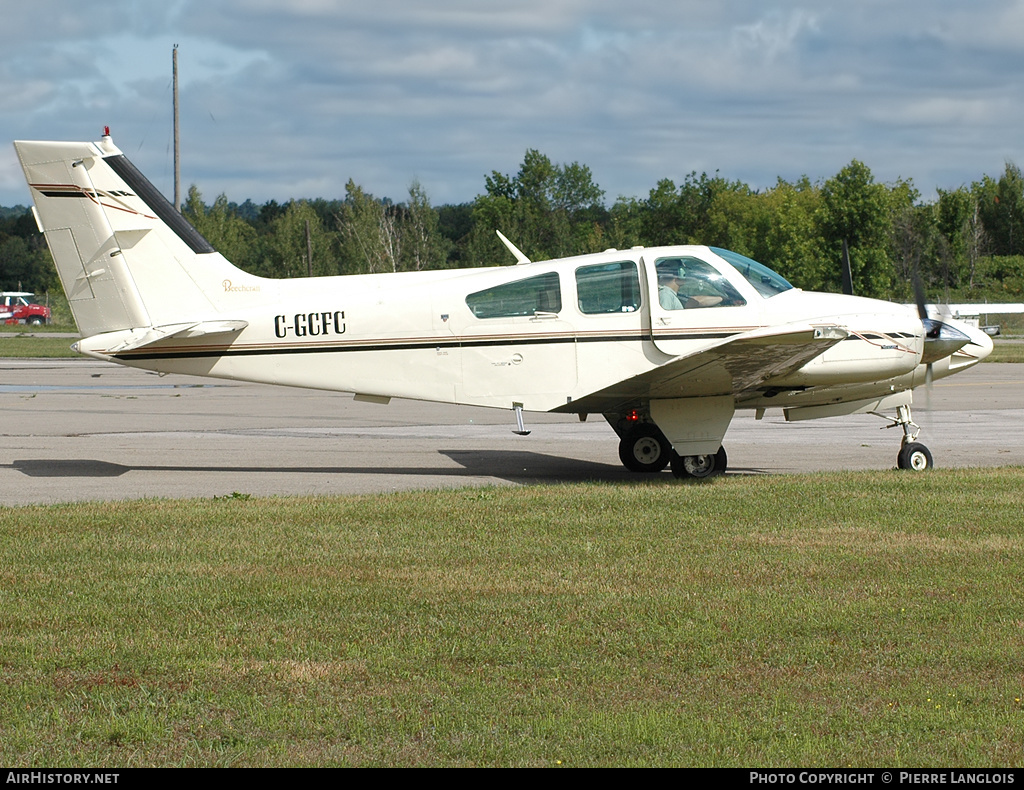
<point>977,346</point>
<point>981,344</point>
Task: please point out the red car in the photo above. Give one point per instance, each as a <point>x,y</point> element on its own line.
<point>16,308</point>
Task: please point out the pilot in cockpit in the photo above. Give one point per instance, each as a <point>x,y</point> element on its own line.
<point>670,275</point>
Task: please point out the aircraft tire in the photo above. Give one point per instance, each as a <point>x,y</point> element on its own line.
<point>915,457</point>
<point>644,449</point>
<point>699,466</point>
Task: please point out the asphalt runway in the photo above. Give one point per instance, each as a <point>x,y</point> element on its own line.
<point>82,430</point>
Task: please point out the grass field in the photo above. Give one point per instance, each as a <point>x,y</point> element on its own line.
<point>1006,352</point>
<point>19,345</point>
<point>866,619</point>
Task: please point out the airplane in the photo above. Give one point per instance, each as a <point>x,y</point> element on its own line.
<point>971,313</point>
<point>665,343</point>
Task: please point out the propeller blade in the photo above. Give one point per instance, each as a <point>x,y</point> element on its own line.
<point>919,297</point>
<point>847,271</point>
<point>928,380</point>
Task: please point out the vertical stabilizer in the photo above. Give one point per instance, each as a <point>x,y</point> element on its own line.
<point>126,258</point>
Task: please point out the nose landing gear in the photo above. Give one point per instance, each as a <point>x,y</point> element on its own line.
<point>913,455</point>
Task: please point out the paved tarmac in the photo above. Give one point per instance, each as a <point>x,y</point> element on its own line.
<point>82,430</point>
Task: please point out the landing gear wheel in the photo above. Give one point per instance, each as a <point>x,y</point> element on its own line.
<point>644,448</point>
<point>699,466</point>
<point>914,456</point>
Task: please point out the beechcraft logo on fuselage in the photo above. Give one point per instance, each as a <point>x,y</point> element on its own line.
<point>310,324</point>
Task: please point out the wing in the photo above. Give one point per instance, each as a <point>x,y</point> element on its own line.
<point>737,366</point>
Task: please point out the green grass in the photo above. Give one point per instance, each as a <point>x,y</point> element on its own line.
<point>22,345</point>
<point>1006,352</point>
<point>868,619</point>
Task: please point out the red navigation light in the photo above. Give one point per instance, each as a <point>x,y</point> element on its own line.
<point>106,131</point>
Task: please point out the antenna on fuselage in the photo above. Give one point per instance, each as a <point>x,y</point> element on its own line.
<point>520,257</point>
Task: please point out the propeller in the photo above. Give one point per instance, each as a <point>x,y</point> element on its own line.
<point>847,271</point>
<point>940,340</point>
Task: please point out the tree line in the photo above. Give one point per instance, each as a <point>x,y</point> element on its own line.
<point>966,244</point>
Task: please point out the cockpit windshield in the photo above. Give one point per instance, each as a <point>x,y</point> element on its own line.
<point>767,282</point>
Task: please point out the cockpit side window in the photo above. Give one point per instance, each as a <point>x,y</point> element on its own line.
<point>608,288</point>
<point>540,294</point>
<point>695,284</point>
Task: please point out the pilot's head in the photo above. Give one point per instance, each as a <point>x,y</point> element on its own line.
<point>669,271</point>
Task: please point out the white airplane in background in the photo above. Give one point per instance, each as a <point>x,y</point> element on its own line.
<point>971,313</point>
<point>665,343</point>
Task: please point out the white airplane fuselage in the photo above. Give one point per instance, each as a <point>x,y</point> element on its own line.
<point>411,335</point>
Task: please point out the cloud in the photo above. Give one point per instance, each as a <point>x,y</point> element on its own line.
<point>281,98</point>
<point>772,37</point>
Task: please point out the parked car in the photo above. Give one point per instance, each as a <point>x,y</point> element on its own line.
<point>16,308</point>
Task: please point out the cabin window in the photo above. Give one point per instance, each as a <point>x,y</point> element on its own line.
<point>695,284</point>
<point>608,288</point>
<point>540,294</point>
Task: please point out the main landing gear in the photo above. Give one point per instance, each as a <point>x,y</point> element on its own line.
<point>644,448</point>
<point>913,455</point>
<point>699,466</point>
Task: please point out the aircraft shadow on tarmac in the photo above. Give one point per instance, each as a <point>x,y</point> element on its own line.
<point>508,465</point>
<point>513,466</point>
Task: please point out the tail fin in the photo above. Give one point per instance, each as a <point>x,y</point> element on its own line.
<point>126,258</point>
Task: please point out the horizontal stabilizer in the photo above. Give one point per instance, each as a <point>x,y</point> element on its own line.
<point>212,328</point>
<point>111,343</point>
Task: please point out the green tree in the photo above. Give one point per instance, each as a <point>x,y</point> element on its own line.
<point>291,235</point>
<point>857,209</point>
<point>663,218</point>
<point>455,224</point>
<point>733,219</point>
<point>625,225</point>
<point>26,267</point>
<point>958,216</point>
<point>425,247</point>
<point>916,248</point>
<point>371,240</point>
<point>1001,207</point>
<point>547,210</point>
<point>230,235</point>
<point>787,236</point>
<point>25,262</point>
<point>701,211</point>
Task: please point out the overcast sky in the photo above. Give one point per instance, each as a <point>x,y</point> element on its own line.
<point>284,100</point>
